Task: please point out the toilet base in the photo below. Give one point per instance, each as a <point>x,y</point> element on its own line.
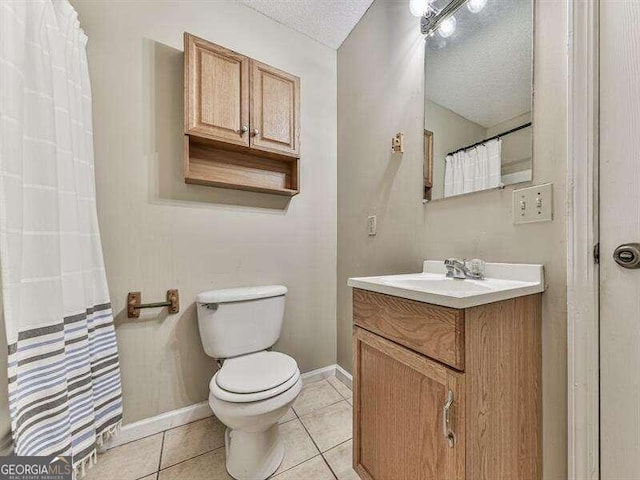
<point>253,455</point>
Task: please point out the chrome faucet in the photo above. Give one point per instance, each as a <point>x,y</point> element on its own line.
<point>459,270</point>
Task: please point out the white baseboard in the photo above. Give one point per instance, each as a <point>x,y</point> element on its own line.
<point>175,418</point>
<point>344,376</point>
<point>159,423</point>
<point>319,374</point>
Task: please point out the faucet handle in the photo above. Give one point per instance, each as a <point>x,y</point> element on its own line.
<point>476,267</point>
<point>449,265</point>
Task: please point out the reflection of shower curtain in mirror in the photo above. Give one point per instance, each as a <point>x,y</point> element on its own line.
<point>475,169</point>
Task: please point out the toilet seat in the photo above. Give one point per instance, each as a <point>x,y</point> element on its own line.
<point>254,377</point>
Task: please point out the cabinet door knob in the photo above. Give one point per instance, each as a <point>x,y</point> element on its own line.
<point>255,132</point>
<point>244,129</point>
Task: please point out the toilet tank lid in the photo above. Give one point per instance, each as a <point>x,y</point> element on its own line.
<point>226,295</point>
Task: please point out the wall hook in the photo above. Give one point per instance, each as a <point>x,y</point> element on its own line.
<point>397,143</point>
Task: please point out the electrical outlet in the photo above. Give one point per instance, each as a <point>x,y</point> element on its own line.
<point>372,224</point>
<point>533,204</point>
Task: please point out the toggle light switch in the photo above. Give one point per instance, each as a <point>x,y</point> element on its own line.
<point>533,204</point>
<point>372,225</point>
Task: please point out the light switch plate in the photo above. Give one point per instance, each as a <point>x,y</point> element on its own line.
<point>372,225</point>
<point>533,204</point>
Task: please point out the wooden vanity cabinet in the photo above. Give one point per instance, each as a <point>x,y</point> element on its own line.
<point>444,394</point>
<point>241,121</point>
<point>398,406</point>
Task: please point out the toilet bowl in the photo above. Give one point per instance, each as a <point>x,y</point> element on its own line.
<point>255,387</point>
<point>250,394</point>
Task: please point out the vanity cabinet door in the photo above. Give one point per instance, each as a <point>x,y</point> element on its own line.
<point>401,430</point>
<point>216,92</point>
<point>275,110</point>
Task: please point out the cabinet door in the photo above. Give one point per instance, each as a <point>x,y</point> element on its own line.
<point>216,92</point>
<point>275,110</point>
<point>400,416</point>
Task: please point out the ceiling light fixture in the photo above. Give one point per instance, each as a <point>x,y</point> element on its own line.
<point>419,8</point>
<point>475,6</point>
<point>431,21</point>
<point>447,27</point>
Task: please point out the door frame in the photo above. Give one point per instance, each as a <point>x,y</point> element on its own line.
<point>582,236</point>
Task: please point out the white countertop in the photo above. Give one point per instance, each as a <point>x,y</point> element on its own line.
<point>503,281</point>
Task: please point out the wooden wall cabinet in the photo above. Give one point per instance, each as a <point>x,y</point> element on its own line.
<point>217,92</point>
<point>446,394</point>
<point>275,103</point>
<point>241,121</point>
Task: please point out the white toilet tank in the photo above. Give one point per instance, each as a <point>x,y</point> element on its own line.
<point>237,321</point>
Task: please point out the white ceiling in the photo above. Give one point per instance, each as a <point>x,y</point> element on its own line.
<point>483,71</point>
<point>327,21</point>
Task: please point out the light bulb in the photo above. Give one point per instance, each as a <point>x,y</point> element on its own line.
<point>475,6</point>
<point>419,7</point>
<point>447,27</point>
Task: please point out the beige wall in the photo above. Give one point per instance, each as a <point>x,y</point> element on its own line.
<point>159,233</point>
<point>450,132</point>
<point>380,92</point>
<point>516,147</point>
<point>509,124</point>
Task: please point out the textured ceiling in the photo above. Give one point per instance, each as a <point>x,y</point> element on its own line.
<point>483,71</point>
<point>327,21</point>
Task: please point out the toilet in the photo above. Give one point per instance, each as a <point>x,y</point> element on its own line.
<point>255,387</point>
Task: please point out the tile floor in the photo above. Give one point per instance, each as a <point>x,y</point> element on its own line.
<point>316,432</point>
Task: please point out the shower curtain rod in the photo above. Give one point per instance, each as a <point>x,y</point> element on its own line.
<point>490,138</point>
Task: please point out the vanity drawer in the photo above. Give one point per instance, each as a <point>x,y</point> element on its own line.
<point>437,332</point>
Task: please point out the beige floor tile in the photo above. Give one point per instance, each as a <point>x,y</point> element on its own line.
<point>315,395</point>
<point>314,469</point>
<point>297,443</point>
<point>350,400</point>
<point>130,461</point>
<point>290,415</point>
<point>153,476</point>
<point>340,387</point>
<point>187,441</point>
<point>340,460</point>
<point>210,466</point>
<point>330,425</point>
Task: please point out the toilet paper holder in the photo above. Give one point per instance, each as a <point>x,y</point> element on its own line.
<point>134,303</point>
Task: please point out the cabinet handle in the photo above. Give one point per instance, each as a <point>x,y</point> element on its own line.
<point>244,129</point>
<point>255,132</point>
<point>446,420</point>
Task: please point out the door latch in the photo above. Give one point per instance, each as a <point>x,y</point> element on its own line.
<point>628,255</point>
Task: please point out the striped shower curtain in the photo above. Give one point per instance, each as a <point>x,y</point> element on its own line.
<point>64,376</point>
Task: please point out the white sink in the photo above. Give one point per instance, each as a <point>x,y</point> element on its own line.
<point>503,281</point>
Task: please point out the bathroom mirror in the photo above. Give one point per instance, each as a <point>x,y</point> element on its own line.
<point>478,95</point>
